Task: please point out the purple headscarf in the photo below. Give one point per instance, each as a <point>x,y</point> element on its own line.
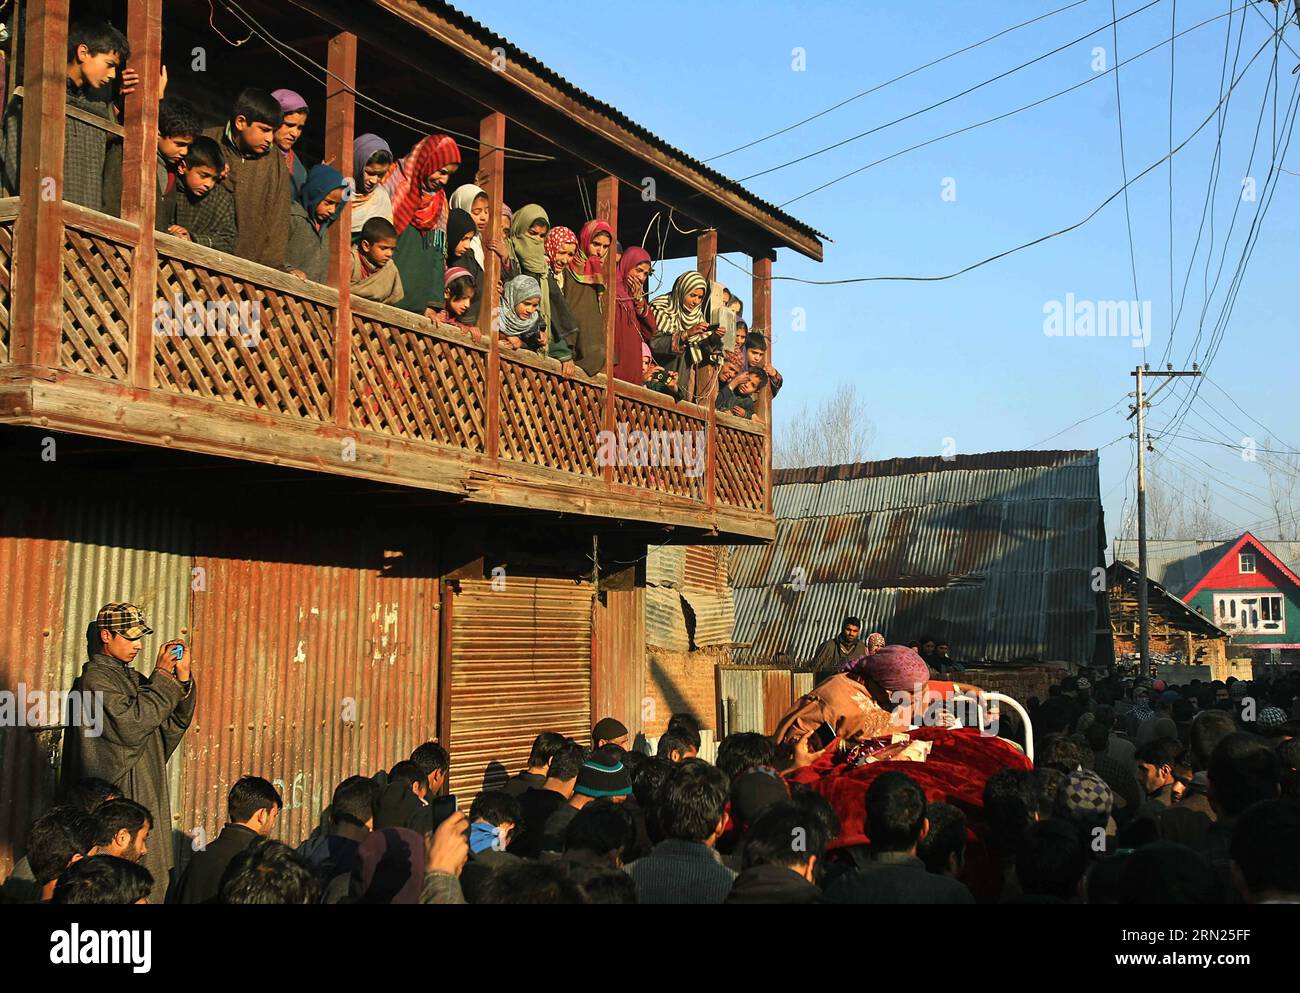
<point>365,146</point>
<point>289,101</point>
<point>894,667</point>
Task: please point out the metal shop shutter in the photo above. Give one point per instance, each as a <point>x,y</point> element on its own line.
<point>520,664</point>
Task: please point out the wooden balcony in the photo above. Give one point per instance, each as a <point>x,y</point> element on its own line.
<point>347,387</point>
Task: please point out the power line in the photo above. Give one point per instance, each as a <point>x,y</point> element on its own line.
<point>946,100</point>
<point>1173,26</point>
<point>377,107</point>
<point>1082,420</point>
<point>890,82</point>
<point>1029,244</point>
<point>1231,400</point>
<point>1119,114</point>
<point>1011,113</point>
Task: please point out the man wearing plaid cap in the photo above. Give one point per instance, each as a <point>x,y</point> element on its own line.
<point>145,718</point>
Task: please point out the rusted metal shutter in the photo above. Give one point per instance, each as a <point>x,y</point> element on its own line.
<point>520,664</point>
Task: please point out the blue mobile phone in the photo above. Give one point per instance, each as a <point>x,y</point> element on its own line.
<point>178,652</point>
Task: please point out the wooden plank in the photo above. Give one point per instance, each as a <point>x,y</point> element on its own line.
<point>607,210</point>
<point>244,270</point>
<point>139,180</point>
<point>492,177</point>
<point>93,222</point>
<point>38,236</point>
<point>534,87</point>
<point>340,117</point>
<point>761,318</point>
<point>706,263</point>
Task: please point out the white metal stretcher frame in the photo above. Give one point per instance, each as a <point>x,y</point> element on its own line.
<point>1014,705</point>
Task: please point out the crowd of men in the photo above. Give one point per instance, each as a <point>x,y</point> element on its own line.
<point>1139,792</point>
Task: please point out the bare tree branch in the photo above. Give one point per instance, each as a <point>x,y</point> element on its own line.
<point>837,433</point>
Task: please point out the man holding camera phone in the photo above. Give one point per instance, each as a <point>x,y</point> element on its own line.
<point>144,719</point>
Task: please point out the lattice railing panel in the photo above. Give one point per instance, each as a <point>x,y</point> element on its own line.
<point>658,449</point>
<point>740,478</point>
<point>226,338</point>
<point>549,420</point>
<point>414,385</point>
<point>6,272</point>
<point>95,338</point>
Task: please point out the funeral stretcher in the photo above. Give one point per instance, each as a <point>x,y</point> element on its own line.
<point>951,764</point>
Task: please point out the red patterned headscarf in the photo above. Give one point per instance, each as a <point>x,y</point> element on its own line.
<point>557,238</point>
<point>412,204</point>
<point>585,267</point>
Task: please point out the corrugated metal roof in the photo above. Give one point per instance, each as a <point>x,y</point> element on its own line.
<point>1179,564</point>
<point>993,552</point>
<point>491,39</point>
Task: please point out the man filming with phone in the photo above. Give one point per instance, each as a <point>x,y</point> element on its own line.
<point>144,720</point>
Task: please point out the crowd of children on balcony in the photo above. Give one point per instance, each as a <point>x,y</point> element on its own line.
<point>242,188</point>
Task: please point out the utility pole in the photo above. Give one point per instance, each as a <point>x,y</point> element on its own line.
<point>1139,407</point>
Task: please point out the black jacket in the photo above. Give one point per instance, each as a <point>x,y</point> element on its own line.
<point>537,806</point>
<point>479,867</point>
<point>769,884</point>
<point>200,882</point>
<point>894,878</point>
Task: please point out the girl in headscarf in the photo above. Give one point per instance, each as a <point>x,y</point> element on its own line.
<point>594,243</point>
<point>520,313</point>
<point>526,250</point>
<point>308,251</point>
<point>294,110</point>
<point>562,327</point>
<point>461,233</point>
<point>475,202</point>
<point>584,290</point>
<point>417,187</point>
<point>683,330</point>
<point>634,324</point>
<point>371,161</point>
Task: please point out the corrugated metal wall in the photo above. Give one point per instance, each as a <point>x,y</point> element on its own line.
<point>520,664</point>
<point>310,672</point>
<point>31,583</point>
<point>755,698</point>
<point>309,667</point>
<point>619,659</point>
<point>688,598</point>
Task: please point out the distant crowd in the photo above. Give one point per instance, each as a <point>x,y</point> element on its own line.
<point>1138,792</point>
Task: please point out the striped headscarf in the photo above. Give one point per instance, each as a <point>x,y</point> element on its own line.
<point>586,268</point>
<point>671,313</point>
<point>412,204</point>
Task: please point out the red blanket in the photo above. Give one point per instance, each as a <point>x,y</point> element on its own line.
<point>959,764</point>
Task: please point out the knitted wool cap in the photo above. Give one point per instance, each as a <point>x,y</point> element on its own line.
<point>598,780</point>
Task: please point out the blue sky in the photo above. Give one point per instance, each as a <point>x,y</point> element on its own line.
<point>968,358</point>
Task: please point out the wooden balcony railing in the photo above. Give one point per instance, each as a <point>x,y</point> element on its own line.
<point>227,334</point>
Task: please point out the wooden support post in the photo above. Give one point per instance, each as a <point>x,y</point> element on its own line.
<point>340,116</point>
<point>607,210</point>
<point>706,263</point>
<point>38,234</point>
<point>140,179</point>
<point>761,320</point>
<point>491,177</point>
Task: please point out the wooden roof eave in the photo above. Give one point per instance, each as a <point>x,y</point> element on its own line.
<point>533,87</point>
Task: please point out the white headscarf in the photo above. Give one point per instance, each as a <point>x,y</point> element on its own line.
<point>463,199</point>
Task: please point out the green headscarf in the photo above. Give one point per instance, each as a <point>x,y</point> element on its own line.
<point>530,252</point>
